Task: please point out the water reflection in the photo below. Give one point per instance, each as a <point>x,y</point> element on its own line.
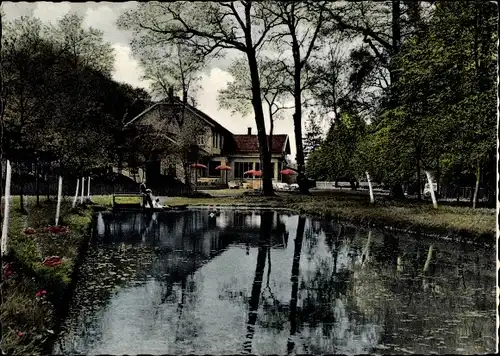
<point>262,282</point>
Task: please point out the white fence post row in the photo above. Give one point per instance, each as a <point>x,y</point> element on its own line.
<point>5,227</point>
<point>431,187</point>
<point>83,190</point>
<point>88,187</point>
<point>59,195</point>
<point>372,199</point>
<point>76,193</point>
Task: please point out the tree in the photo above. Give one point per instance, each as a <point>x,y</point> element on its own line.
<point>330,73</point>
<point>301,23</point>
<point>334,159</point>
<point>210,28</point>
<point>27,59</point>
<point>445,91</point>
<point>313,137</point>
<point>237,96</point>
<point>86,46</point>
<point>168,67</point>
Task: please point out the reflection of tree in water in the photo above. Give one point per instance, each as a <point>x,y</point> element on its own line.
<point>433,303</point>
<point>264,246</point>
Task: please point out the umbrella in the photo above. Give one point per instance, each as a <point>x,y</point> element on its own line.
<point>223,168</point>
<point>254,173</point>
<point>197,165</point>
<point>287,172</point>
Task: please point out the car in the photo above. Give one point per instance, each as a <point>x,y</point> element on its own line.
<point>294,187</point>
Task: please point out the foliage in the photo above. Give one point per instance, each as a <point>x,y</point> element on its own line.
<point>313,136</point>
<point>86,46</point>
<point>335,157</point>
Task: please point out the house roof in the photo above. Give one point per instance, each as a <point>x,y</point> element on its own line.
<point>178,102</point>
<point>250,144</point>
<point>239,144</point>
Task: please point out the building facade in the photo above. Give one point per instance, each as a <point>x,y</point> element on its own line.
<point>181,123</point>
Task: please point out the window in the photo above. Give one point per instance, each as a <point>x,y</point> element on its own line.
<point>257,166</point>
<point>240,168</point>
<point>212,172</point>
<point>201,140</point>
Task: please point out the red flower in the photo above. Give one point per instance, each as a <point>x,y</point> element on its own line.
<point>29,231</point>
<point>41,293</point>
<point>8,271</point>
<point>19,333</point>
<point>58,230</point>
<point>52,261</point>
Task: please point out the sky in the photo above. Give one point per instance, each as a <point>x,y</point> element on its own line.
<point>103,16</point>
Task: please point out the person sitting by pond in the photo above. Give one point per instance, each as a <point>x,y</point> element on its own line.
<point>213,211</point>
<point>157,204</point>
<point>146,195</point>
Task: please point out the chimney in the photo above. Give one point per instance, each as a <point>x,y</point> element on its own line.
<point>249,131</point>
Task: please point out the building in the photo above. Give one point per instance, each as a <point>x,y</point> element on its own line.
<point>217,145</point>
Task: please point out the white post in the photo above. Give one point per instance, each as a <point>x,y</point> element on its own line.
<point>5,227</point>
<point>83,190</point>
<point>372,199</point>
<point>431,187</point>
<point>76,193</point>
<point>59,195</point>
<point>88,187</point>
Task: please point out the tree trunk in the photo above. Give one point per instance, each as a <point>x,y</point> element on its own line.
<point>47,186</point>
<point>397,191</point>
<point>37,181</point>
<point>476,190</point>
<point>265,157</point>
<point>297,123</point>
<point>419,177</point>
<point>21,188</point>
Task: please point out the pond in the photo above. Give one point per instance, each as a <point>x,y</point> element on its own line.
<point>264,282</point>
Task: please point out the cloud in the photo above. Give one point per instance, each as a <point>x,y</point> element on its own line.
<point>127,69</point>
<point>211,83</point>
<point>50,12</point>
<point>103,16</point>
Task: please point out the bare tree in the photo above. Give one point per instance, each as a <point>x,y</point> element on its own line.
<point>301,24</point>
<point>237,96</point>
<point>210,28</point>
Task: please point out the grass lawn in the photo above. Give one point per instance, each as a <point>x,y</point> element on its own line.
<point>31,290</point>
<point>355,207</point>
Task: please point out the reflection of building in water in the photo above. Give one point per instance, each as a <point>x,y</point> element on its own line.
<point>176,231</point>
